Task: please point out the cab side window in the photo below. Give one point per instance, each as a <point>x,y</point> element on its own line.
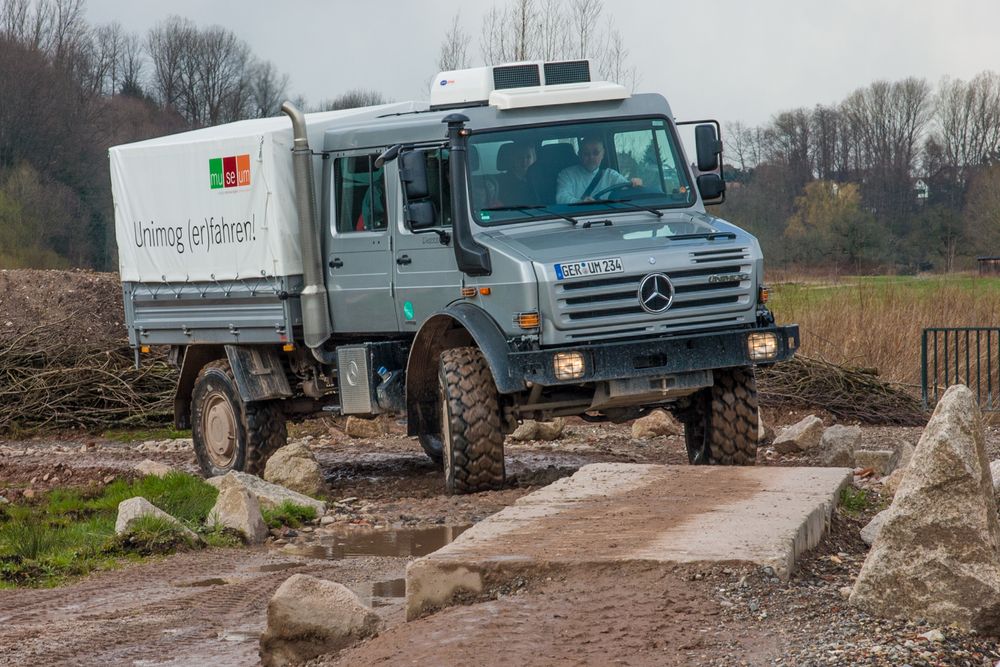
<point>360,194</point>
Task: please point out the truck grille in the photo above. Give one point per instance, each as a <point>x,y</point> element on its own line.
<point>614,299</point>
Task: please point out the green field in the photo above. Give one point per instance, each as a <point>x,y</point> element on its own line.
<point>876,321</point>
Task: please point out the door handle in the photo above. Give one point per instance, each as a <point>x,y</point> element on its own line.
<point>405,259</point>
<point>336,263</point>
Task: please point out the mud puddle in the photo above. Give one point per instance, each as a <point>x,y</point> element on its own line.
<point>399,543</point>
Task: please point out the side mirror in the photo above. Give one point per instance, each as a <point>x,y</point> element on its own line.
<point>413,174</point>
<point>709,148</point>
<point>420,215</point>
<point>712,188</point>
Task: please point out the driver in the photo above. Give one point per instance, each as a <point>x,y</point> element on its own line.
<point>578,182</point>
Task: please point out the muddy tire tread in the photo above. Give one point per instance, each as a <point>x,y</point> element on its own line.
<point>474,412</point>
<point>725,419</point>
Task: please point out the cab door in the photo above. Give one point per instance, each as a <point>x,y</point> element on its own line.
<point>358,246</point>
<point>426,272</point>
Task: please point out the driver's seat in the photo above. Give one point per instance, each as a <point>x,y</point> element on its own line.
<point>552,158</point>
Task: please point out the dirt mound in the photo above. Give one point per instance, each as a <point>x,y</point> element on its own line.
<point>86,305</point>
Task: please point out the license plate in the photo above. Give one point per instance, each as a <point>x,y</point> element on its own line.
<point>590,267</point>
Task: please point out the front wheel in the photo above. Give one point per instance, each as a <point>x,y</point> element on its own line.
<point>229,434</point>
<point>471,436</point>
<point>721,427</point>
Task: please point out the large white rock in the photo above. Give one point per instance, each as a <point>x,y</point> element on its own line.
<point>294,467</point>
<point>308,617</point>
<point>534,430</point>
<point>267,494</point>
<point>800,437</point>
<point>238,509</point>
<point>936,555</point>
<point>837,445</point>
<point>995,475</point>
<point>135,508</point>
<point>357,427</point>
<point>657,423</point>
<point>155,468</point>
<point>870,531</point>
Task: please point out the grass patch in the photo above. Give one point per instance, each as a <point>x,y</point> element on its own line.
<point>131,435</point>
<point>69,533</point>
<point>288,514</point>
<point>855,501</point>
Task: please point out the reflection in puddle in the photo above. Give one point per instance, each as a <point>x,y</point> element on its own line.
<point>402,543</point>
<point>217,581</point>
<point>277,567</point>
<point>394,588</point>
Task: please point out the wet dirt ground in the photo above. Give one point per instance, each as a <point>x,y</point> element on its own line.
<point>388,506</point>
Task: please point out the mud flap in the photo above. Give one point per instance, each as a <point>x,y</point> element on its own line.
<point>259,373</point>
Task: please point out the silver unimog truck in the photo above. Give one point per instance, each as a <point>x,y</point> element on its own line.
<point>529,244</point>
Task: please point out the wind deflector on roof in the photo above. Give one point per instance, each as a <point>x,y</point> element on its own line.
<point>569,71</point>
<point>516,76</point>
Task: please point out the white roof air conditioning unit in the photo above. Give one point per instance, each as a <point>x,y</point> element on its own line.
<point>519,85</point>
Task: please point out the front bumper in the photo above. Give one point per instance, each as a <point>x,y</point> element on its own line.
<point>654,358</point>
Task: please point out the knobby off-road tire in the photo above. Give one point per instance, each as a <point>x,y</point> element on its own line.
<point>722,425</point>
<point>470,422</point>
<point>229,434</point>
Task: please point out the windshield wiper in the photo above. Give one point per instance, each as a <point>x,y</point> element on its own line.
<point>524,208</point>
<point>655,211</point>
<point>711,236</point>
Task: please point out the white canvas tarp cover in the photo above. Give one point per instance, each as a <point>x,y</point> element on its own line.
<point>218,203</point>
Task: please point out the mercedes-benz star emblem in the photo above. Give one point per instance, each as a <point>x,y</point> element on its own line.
<point>656,293</point>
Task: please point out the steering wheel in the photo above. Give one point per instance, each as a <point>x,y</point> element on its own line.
<point>627,185</point>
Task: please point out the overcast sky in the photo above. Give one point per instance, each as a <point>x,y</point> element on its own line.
<point>728,59</point>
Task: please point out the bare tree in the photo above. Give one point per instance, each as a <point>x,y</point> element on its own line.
<point>613,63</point>
<point>169,44</point>
<point>353,99</point>
<point>967,116</point>
<point>584,22</point>
<point>455,47</point>
<point>553,30</point>
<point>268,89</point>
<point>131,64</point>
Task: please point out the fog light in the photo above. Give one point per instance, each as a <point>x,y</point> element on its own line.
<point>762,346</point>
<point>568,365</point>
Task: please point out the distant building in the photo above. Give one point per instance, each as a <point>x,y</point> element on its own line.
<point>988,265</point>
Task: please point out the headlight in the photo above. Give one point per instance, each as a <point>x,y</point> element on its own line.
<point>568,365</point>
<point>762,346</point>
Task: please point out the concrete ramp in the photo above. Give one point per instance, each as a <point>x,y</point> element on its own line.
<point>612,513</point>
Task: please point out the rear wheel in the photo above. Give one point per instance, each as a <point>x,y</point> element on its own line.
<point>229,434</point>
<point>471,435</point>
<point>721,426</point>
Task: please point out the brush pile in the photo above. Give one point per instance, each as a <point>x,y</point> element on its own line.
<point>849,394</point>
<point>49,382</point>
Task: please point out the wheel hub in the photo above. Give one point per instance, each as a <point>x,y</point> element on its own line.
<point>220,430</point>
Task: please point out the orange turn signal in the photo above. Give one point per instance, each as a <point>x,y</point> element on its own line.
<point>468,292</point>
<point>485,291</point>
<point>763,295</point>
<point>288,347</point>
<point>529,320</point>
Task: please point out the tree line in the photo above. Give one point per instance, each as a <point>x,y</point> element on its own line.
<point>899,176</point>
<point>72,89</point>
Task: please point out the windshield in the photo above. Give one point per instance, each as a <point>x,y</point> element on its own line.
<point>576,169</point>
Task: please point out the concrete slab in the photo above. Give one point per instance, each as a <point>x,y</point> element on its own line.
<point>612,513</point>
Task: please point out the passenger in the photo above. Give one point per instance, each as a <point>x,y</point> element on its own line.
<point>514,185</point>
<point>576,183</point>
